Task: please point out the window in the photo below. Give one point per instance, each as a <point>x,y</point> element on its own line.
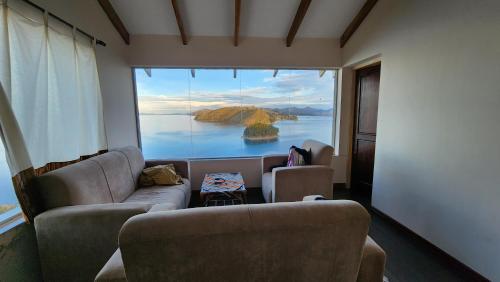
<point>8,200</point>
<point>210,113</point>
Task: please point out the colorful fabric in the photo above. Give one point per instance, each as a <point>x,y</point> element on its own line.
<point>222,182</point>
<point>298,157</point>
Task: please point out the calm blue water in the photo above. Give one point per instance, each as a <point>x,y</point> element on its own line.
<point>7,194</point>
<point>169,136</point>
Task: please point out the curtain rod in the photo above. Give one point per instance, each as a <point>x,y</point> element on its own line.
<point>100,42</point>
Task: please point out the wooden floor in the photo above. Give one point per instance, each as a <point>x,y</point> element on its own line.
<point>407,259</point>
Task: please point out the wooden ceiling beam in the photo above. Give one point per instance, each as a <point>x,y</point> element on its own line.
<point>237,12</point>
<point>299,16</point>
<point>356,22</point>
<point>180,24</point>
<point>115,20</point>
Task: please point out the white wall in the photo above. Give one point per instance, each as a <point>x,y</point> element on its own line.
<point>114,72</point>
<point>168,51</point>
<point>437,164</point>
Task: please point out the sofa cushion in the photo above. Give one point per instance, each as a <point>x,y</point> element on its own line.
<point>118,175</point>
<point>267,186</point>
<point>159,175</point>
<point>163,207</point>
<point>113,270</point>
<point>77,184</point>
<point>135,160</point>
<point>178,195</point>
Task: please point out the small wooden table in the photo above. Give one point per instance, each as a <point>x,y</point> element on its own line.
<point>223,188</point>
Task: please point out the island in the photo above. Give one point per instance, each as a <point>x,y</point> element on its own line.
<point>260,131</point>
<point>258,122</point>
<point>4,208</point>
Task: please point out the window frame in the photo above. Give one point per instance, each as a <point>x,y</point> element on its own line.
<point>334,105</point>
<point>11,219</point>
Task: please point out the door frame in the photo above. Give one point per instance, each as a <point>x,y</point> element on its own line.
<point>355,109</point>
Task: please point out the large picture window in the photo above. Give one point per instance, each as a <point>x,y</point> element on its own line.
<point>219,113</point>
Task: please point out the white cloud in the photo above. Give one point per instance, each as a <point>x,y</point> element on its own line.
<point>287,89</point>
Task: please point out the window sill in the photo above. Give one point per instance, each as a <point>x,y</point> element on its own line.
<point>10,219</point>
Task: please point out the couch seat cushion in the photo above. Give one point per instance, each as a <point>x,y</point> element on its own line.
<point>267,186</point>
<point>163,207</point>
<point>178,195</point>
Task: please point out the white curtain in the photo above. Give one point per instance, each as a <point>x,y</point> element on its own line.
<point>49,74</point>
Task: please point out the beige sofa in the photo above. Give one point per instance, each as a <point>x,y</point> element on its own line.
<point>295,241</point>
<point>86,205</point>
<point>288,184</point>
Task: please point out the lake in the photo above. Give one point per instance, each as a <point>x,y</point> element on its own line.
<point>180,136</point>
<point>7,194</point>
<point>169,136</point>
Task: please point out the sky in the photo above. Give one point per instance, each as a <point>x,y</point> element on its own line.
<point>174,91</point>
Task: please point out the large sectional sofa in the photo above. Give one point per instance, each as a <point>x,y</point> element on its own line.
<point>100,224</point>
<point>87,203</point>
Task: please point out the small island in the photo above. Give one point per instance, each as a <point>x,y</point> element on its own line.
<point>4,208</point>
<point>261,131</point>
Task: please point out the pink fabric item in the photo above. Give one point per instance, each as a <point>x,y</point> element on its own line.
<point>294,158</point>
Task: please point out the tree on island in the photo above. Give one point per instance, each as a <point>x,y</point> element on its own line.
<point>260,131</point>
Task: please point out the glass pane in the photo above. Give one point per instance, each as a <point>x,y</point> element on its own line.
<point>164,113</point>
<point>214,115</point>
<point>217,114</point>
<point>8,198</point>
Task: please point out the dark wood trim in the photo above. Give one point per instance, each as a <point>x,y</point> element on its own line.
<point>237,12</point>
<point>115,20</point>
<point>180,24</point>
<point>356,22</point>
<point>471,275</point>
<point>299,16</point>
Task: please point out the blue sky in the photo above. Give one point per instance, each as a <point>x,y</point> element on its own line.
<point>174,91</point>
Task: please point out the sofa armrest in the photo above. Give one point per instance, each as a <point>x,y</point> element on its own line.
<point>74,242</point>
<point>181,166</point>
<point>372,262</point>
<point>272,160</point>
<point>293,183</point>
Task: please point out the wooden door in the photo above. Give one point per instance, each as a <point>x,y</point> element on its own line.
<point>365,128</point>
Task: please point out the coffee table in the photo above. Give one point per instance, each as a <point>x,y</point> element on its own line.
<point>223,188</point>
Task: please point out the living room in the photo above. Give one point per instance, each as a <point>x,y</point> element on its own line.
<point>428,71</point>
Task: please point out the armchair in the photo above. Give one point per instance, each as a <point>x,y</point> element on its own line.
<point>288,184</point>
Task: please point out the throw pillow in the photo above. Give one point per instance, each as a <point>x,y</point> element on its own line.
<point>160,175</point>
<point>298,157</point>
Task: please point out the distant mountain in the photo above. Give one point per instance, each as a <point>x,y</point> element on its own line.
<point>242,115</point>
<point>306,111</point>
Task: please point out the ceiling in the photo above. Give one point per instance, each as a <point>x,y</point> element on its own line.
<point>259,18</point>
